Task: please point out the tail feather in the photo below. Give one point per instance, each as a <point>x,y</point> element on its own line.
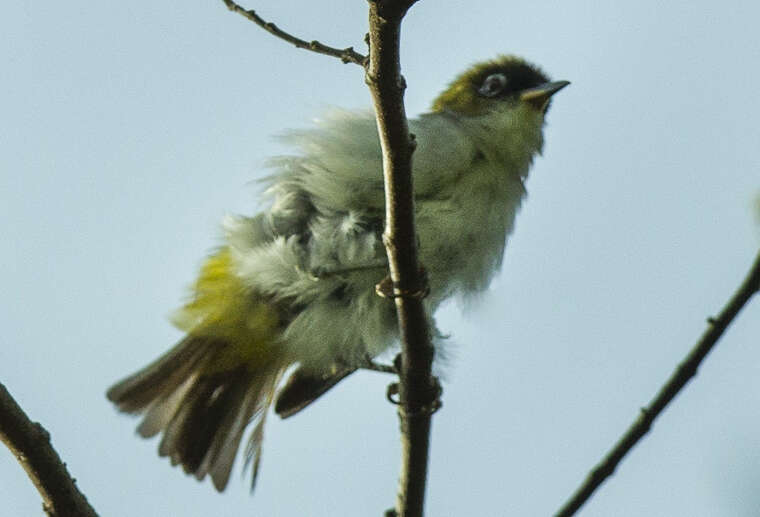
<point>223,449</point>
<point>253,448</point>
<point>304,387</point>
<point>161,377</point>
<point>203,412</point>
<point>189,433</point>
<point>162,410</point>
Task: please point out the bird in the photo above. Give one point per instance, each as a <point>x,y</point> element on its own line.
<point>292,289</point>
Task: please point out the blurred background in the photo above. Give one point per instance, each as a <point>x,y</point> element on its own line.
<point>130,129</point>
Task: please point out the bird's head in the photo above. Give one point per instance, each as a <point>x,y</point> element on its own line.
<point>504,82</point>
<point>501,105</point>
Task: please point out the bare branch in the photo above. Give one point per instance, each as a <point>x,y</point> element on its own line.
<point>418,389</point>
<point>30,443</point>
<point>347,55</point>
<point>683,373</point>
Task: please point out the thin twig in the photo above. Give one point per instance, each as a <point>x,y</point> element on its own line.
<point>683,373</point>
<point>347,55</point>
<point>418,390</point>
<point>30,443</point>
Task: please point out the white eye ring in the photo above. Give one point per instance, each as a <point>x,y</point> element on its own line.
<point>493,85</point>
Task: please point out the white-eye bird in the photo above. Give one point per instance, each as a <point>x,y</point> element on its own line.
<point>295,284</point>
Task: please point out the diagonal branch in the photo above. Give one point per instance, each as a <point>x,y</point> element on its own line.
<point>683,373</point>
<point>347,55</point>
<point>30,443</point>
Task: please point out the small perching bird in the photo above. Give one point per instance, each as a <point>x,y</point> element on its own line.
<point>295,284</point>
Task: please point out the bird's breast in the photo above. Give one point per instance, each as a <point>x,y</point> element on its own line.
<point>463,234</point>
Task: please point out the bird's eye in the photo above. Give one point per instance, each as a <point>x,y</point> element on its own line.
<point>493,85</point>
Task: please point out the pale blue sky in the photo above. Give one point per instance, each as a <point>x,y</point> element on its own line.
<point>130,129</point>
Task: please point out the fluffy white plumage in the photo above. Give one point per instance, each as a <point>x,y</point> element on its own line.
<point>295,284</point>
<point>333,191</point>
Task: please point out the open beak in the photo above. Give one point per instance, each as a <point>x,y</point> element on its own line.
<point>539,96</point>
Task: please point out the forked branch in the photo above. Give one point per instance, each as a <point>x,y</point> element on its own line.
<point>418,390</point>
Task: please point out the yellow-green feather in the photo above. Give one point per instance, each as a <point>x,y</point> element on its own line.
<point>222,308</point>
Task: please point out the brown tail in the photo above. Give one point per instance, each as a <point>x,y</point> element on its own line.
<point>304,387</point>
<point>202,411</point>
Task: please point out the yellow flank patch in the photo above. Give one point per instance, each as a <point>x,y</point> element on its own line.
<point>223,308</point>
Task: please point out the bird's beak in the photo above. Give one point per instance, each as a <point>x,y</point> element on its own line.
<point>539,96</point>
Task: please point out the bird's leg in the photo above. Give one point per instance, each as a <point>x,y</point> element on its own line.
<point>387,289</point>
<point>370,364</point>
<point>320,273</point>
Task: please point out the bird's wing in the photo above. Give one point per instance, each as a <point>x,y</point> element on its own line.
<point>444,152</point>
<point>339,165</point>
<point>327,211</point>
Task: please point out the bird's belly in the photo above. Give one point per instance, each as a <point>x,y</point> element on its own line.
<point>461,246</point>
